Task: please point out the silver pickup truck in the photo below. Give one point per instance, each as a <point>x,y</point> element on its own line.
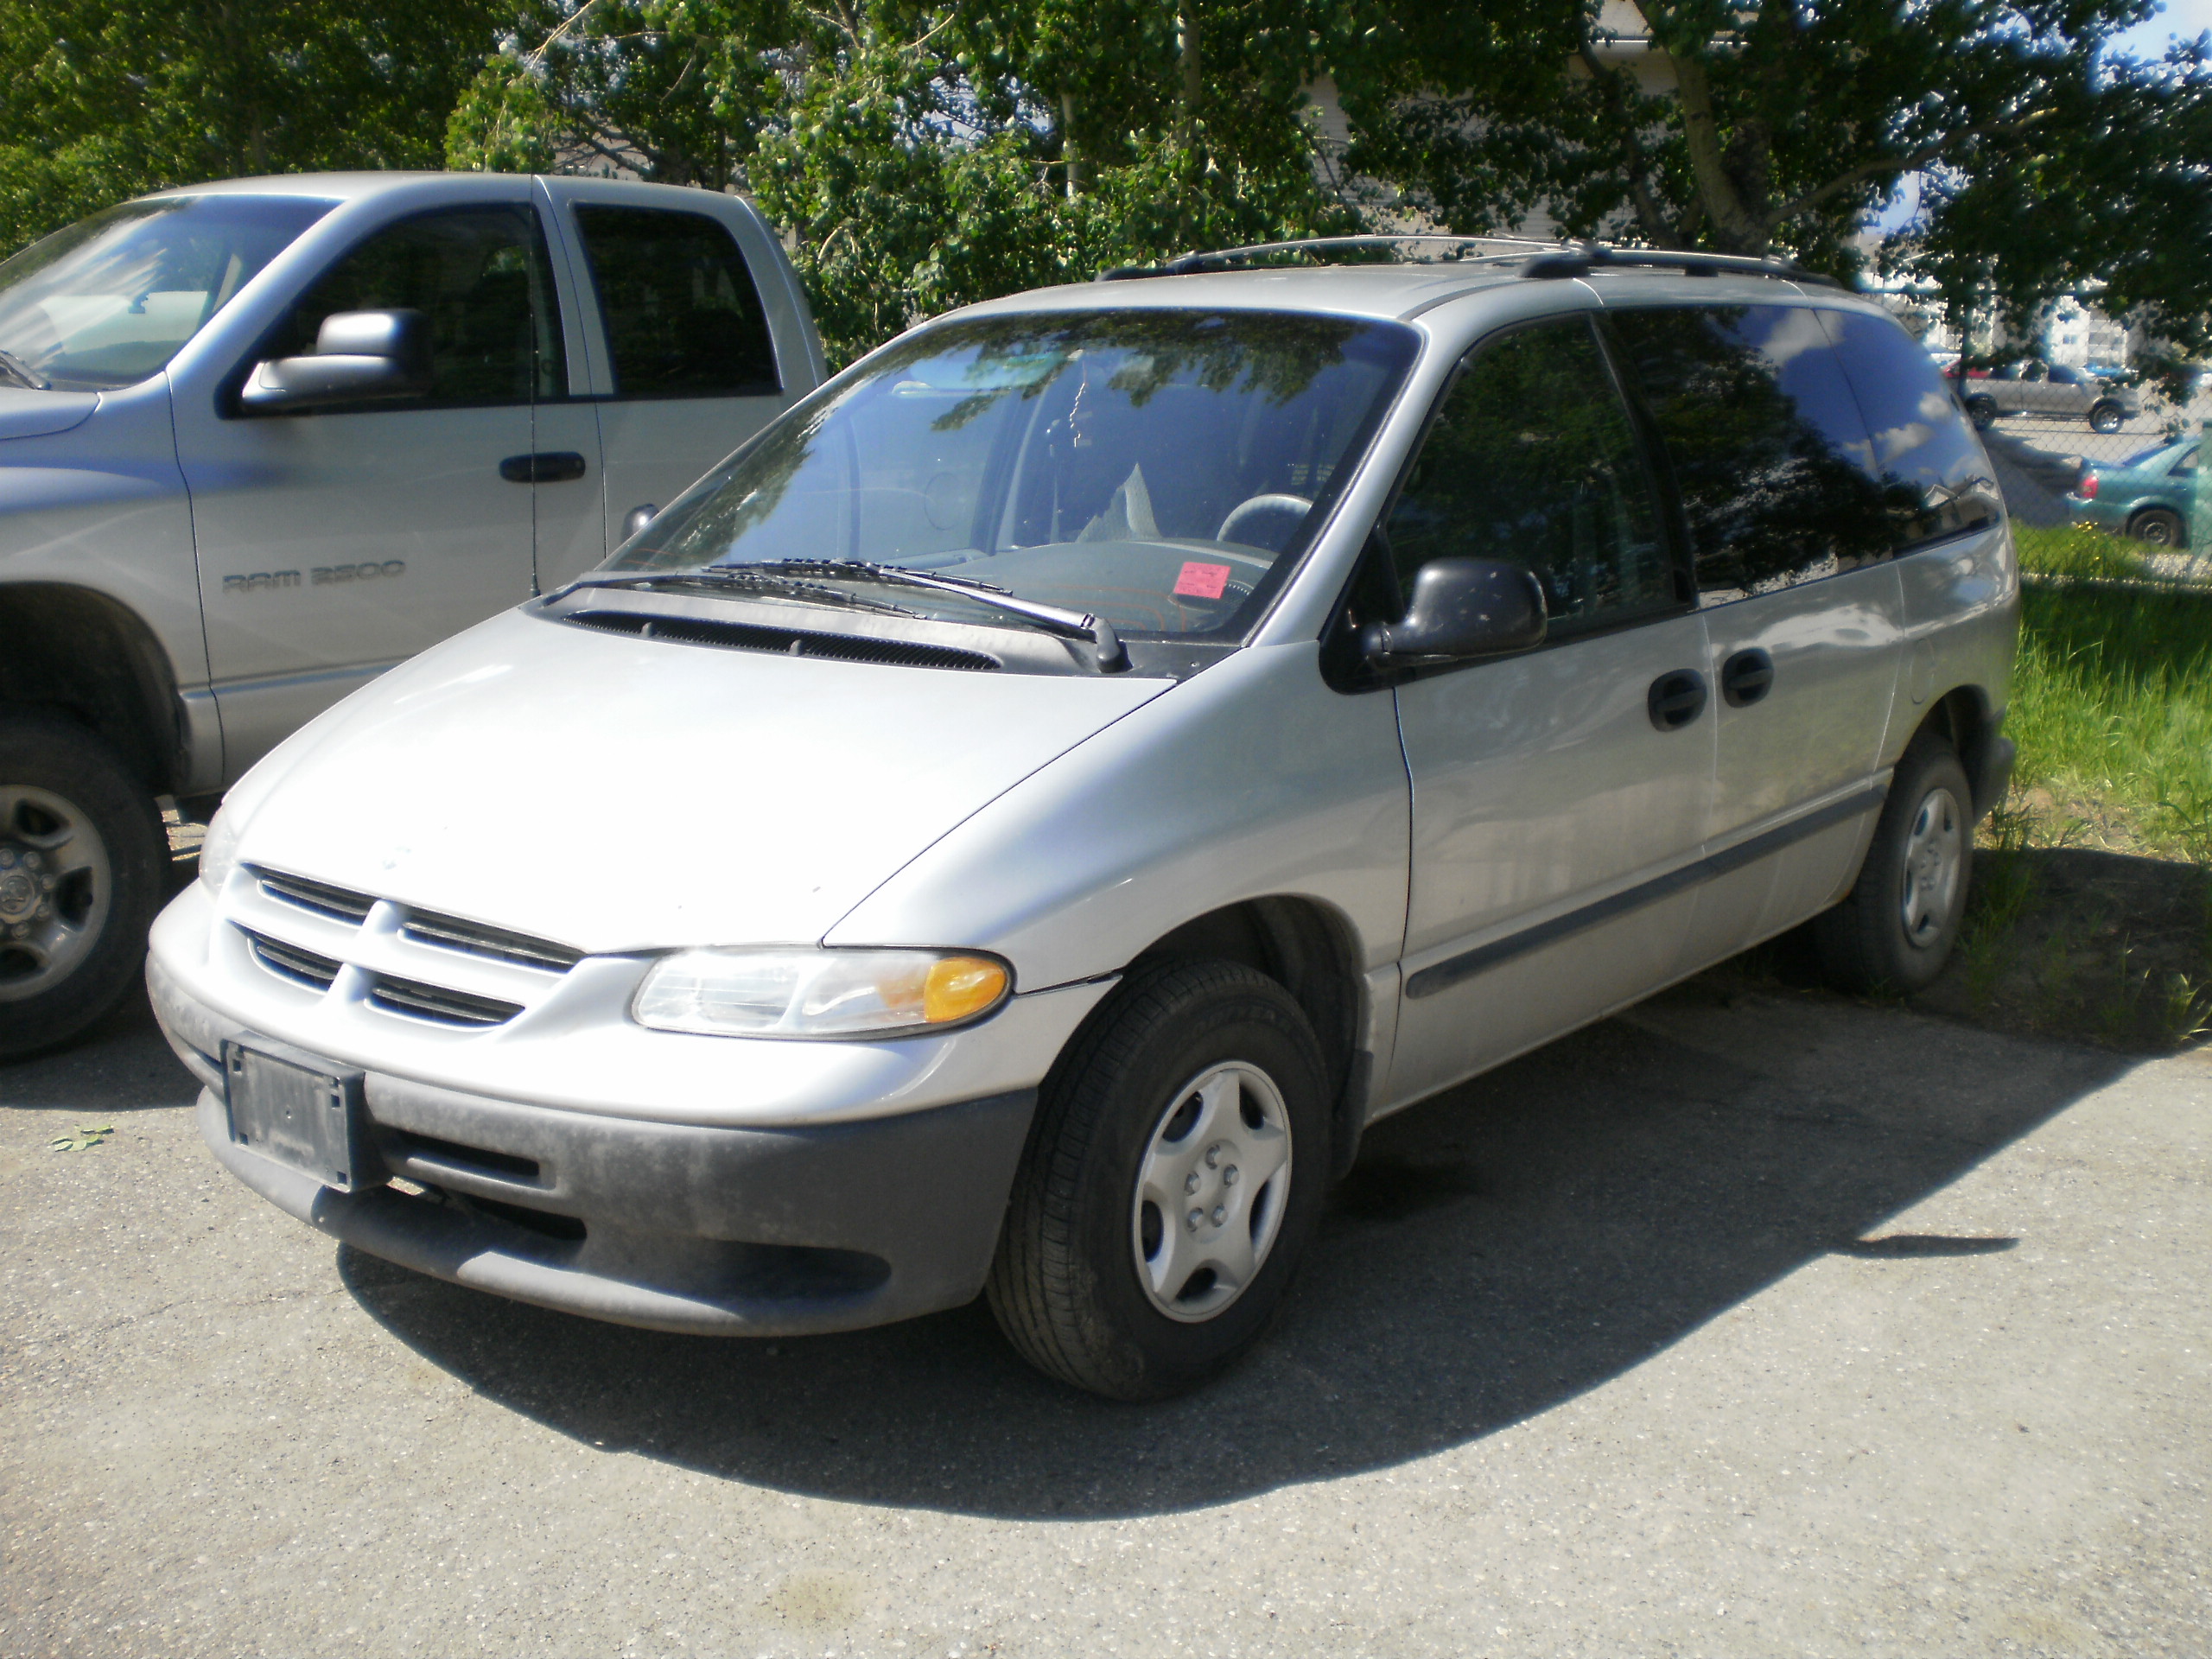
<point>261,440</point>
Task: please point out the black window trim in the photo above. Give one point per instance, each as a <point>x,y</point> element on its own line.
<point>600,310</point>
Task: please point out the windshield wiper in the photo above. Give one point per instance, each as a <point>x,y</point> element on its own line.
<point>763,578</point>
<point>21,372</point>
<point>1106,646</point>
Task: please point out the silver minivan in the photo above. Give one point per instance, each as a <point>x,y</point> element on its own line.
<point>1011,826</point>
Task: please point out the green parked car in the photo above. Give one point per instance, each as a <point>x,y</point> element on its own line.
<point>2146,496</point>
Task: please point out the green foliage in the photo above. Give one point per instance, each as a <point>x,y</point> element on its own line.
<point>102,99</point>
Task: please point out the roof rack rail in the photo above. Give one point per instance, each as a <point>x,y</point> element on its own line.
<point>1543,259</point>
<point>1192,264</point>
<point>1582,258</point>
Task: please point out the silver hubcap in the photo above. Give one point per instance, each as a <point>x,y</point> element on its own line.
<point>1934,853</point>
<point>1210,1192</point>
<point>54,889</point>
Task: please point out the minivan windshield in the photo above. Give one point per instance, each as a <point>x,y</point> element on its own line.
<point>109,300</point>
<point>1162,469</point>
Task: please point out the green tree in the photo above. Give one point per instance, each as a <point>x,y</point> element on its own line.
<point>102,99</point>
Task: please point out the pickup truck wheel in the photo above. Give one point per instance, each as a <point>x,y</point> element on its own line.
<point>2157,526</point>
<point>1896,930</point>
<point>2106,417</point>
<point>82,859</point>
<point>1177,1168</point>
<point>1982,411</point>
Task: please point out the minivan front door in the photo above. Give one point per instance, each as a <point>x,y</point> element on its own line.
<point>1558,796</point>
<point>336,542</point>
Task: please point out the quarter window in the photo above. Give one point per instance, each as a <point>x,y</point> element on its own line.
<point>1934,478</point>
<point>481,276</point>
<point>683,318</point>
<point>1532,461</point>
<point>1769,453</point>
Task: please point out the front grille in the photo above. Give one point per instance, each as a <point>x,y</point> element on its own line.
<point>451,933</point>
<point>435,1003</point>
<point>290,962</point>
<point>318,896</point>
<point>785,642</point>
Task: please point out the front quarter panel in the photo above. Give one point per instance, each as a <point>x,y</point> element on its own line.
<point>1249,780</point>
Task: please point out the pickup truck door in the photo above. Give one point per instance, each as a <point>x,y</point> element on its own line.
<point>336,541</point>
<point>695,343</point>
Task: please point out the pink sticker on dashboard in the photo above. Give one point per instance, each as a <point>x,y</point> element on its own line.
<point>1202,580</point>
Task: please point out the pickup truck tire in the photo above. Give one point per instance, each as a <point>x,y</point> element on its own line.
<point>1130,1188</point>
<point>83,863</point>
<point>1895,931</point>
<point>2105,415</point>
<point>1982,411</point>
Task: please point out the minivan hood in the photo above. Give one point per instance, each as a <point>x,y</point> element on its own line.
<point>28,414</point>
<point>619,794</point>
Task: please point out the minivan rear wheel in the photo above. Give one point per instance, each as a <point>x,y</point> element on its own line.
<point>1896,930</point>
<point>1982,411</point>
<point>82,861</point>
<point>1176,1170</point>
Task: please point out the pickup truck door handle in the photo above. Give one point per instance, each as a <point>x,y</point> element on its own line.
<point>1746,678</point>
<point>1677,697</point>
<point>547,467</point>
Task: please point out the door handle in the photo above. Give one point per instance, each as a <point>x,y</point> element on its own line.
<point>1746,678</point>
<point>1677,697</point>
<point>547,467</point>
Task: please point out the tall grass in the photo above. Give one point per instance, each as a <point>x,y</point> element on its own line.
<point>2112,694</point>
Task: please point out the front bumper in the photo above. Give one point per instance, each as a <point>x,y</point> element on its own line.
<point>706,1230</point>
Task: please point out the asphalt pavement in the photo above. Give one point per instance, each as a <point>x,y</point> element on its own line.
<point>1746,1325</point>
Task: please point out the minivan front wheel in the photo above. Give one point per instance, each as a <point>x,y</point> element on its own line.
<point>82,858</point>
<point>1177,1168</point>
<point>1896,930</point>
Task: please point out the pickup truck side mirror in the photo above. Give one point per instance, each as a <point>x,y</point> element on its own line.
<point>359,356</point>
<point>1461,609</point>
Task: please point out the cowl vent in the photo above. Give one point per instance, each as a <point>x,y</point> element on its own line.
<point>783,642</point>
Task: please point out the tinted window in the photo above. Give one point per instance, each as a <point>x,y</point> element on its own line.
<point>480,274</point>
<point>1934,476</point>
<point>1532,461</point>
<point>2065,377</point>
<point>1769,453</point>
<point>683,318</point>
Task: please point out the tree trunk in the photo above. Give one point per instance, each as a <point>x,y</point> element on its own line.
<point>1069,154</point>
<point>1186,112</point>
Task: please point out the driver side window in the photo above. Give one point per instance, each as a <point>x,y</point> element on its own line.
<point>1532,461</point>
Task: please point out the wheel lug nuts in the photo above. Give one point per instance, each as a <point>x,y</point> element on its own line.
<point>1229,1176</point>
<point>31,862</point>
<point>6,858</point>
<point>1213,1155</point>
<point>1190,1182</point>
<point>1195,1220</point>
<point>1220,1214</point>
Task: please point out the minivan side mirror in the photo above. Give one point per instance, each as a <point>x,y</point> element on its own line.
<point>359,356</point>
<point>1461,609</point>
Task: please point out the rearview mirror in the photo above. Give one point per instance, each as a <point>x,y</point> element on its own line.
<point>1461,608</point>
<point>359,356</point>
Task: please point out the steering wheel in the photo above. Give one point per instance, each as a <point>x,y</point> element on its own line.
<point>1264,521</point>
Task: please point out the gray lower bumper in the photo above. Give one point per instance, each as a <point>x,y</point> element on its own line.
<point>674,1227</point>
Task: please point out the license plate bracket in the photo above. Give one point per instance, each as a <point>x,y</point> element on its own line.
<point>297,1110</point>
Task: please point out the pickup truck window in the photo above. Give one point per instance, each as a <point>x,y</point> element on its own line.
<point>109,300</point>
<point>683,318</point>
<point>481,276</point>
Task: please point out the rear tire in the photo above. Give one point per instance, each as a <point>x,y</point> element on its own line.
<point>2158,527</point>
<point>1177,1169</point>
<point>1896,930</point>
<point>83,860</point>
<point>2106,417</point>
<point>1982,411</point>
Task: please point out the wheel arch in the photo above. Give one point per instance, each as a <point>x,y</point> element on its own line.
<point>1963,717</point>
<point>69,651</point>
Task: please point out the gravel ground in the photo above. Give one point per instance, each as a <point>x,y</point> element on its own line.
<point>1749,1325</point>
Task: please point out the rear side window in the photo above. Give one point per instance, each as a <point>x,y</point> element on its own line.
<point>480,275</point>
<point>683,318</point>
<point>1769,453</point>
<point>1934,478</point>
<point>1532,461</point>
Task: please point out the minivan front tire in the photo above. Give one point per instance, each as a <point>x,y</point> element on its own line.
<point>1896,930</point>
<point>83,860</point>
<point>1177,1168</point>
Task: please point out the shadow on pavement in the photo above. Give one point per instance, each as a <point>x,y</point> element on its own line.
<point>121,1064</point>
<point>1500,1249</point>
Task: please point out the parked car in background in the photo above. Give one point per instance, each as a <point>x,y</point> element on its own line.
<point>2147,496</point>
<point>2057,392</point>
<point>1013,825</point>
<point>261,440</point>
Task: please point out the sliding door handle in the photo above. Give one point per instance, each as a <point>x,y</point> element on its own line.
<point>547,467</point>
<point>1746,678</point>
<point>1676,698</point>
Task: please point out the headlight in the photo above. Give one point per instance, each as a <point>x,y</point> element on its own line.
<point>219,853</point>
<point>819,993</point>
